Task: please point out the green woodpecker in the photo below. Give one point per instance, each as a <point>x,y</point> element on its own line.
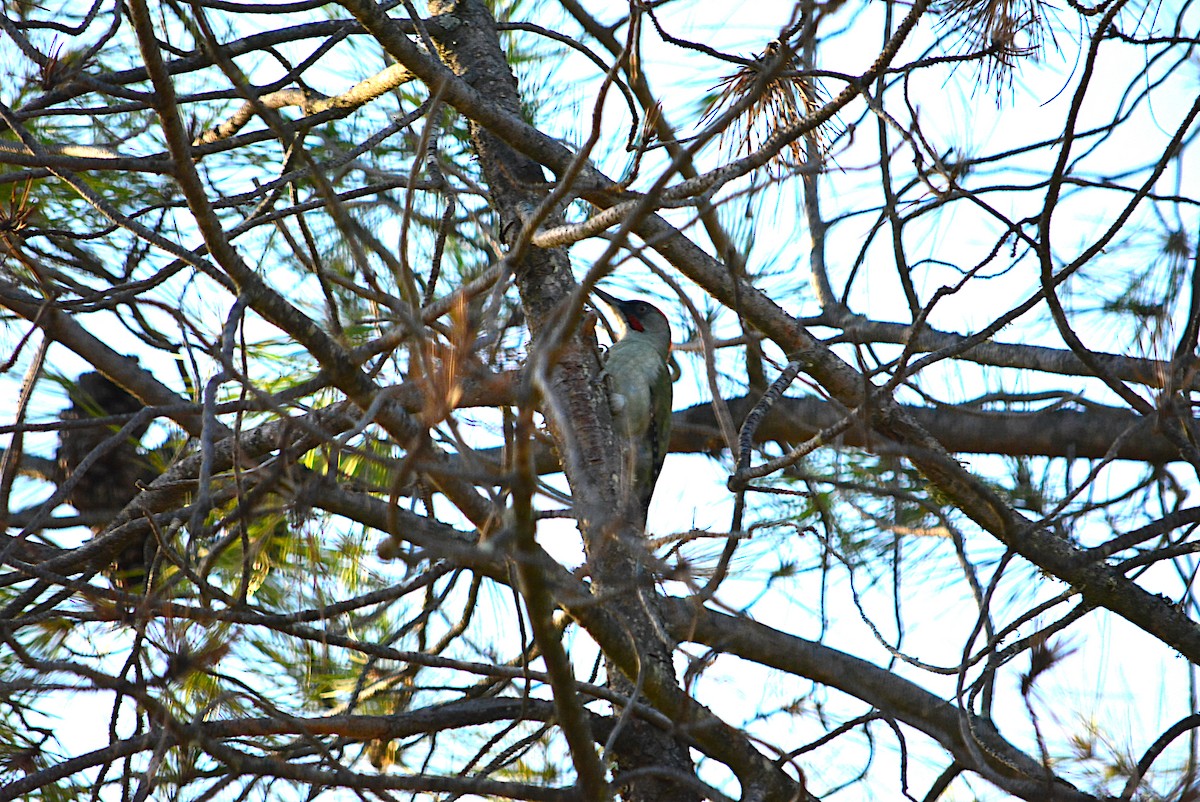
<point>636,365</point>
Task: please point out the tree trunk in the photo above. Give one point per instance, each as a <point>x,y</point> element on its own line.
<point>468,43</point>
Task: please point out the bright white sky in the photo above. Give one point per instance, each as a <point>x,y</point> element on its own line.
<point>1118,679</point>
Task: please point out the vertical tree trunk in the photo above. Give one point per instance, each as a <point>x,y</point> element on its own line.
<point>469,45</point>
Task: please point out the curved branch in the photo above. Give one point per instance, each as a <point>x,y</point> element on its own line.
<point>450,716</point>
<point>1007,766</point>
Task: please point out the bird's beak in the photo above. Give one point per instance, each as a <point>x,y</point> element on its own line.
<point>615,303</point>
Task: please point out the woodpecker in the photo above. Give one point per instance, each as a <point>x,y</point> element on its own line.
<point>636,366</point>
